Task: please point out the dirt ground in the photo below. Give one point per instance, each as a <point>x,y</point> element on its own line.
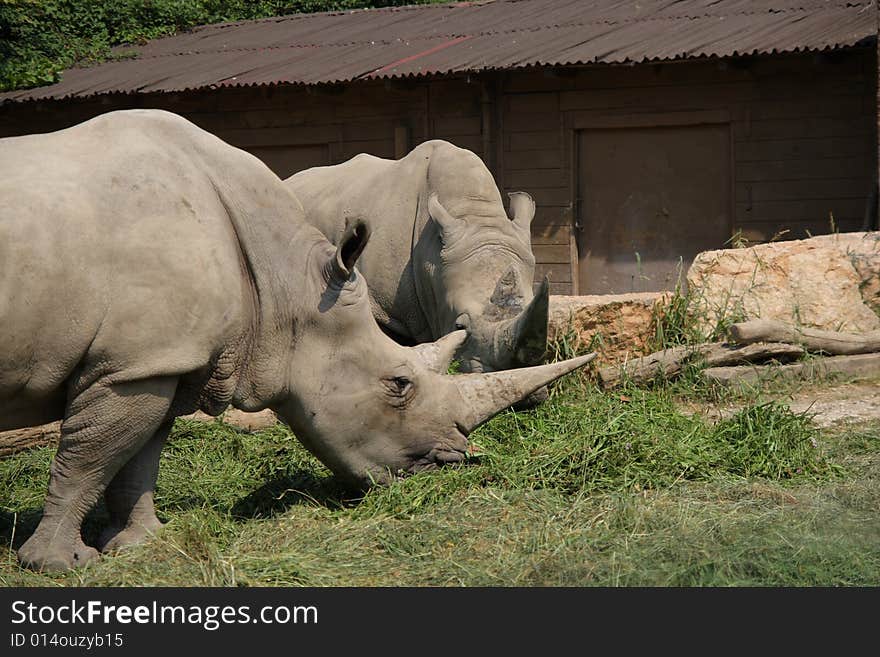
<point>830,404</point>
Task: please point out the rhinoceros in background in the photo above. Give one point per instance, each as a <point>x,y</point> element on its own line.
<point>444,254</point>
<point>148,270</point>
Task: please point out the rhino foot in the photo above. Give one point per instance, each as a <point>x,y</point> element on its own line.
<point>42,555</point>
<point>116,538</point>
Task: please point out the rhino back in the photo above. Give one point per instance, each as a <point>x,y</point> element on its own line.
<point>116,255</point>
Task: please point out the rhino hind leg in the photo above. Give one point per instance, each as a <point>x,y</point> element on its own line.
<point>129,497</point>
<point>105,426</point>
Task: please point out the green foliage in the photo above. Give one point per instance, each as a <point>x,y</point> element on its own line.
<point>41,38</point>
<point>681,319</point>
<point>672,322</point>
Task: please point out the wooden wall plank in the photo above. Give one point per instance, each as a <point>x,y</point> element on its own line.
<point>801,127</point>
<point>535,140</point>
<point>273,136</point>
<point>534,103</point>
<point>841,106</point>
<point>553,197</point>
<point>457,125</point>
<point>803,190</point>
<point>557,288</point>
<point>550,234</point>
<point>798,210</point>
<point>551,253</point>
<point>799,149</point>
<point>558,273</point>
<point>530,178</point>
<point>550,158</point>
<point>832,167</point>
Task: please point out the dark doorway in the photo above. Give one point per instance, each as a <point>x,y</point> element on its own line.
<point>651,198</point>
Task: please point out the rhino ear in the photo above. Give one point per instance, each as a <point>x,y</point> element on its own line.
<point>522,209</point>
<point>352,243</point>
<point>441,215</point>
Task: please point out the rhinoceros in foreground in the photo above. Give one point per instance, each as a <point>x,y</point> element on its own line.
<point>149,270</point>
<point>444,254</point>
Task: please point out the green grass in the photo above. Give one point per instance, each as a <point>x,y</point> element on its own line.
<point>589,488</point>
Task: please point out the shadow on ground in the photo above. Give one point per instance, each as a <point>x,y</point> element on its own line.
<point>302,487</point>
<point>274,497</point>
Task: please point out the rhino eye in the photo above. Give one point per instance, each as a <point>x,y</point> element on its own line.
<point>401,384</point>
<point>400,387</point>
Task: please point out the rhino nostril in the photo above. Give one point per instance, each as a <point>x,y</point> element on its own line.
<point>446,458</point>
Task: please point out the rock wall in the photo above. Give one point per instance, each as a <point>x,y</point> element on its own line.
<point>830,282</point>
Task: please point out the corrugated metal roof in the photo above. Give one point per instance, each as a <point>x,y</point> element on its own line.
<point>467,37</point>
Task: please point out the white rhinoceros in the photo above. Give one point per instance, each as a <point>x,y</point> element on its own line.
<point>444,254</point>
<point>150,269</point>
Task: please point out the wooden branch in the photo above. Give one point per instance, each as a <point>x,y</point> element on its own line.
<point>830,342</point>
<point>669,362</point>
<point>18,440</point>
<point>857,366</point>
<point>21,439</point>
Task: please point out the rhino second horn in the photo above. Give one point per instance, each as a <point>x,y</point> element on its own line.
<point>525,336</point>
<point>486,395</point>
<point>438,355</point>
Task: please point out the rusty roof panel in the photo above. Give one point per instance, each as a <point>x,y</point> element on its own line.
<point>467,37</point>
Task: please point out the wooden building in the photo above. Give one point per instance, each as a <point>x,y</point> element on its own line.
<point>646,132</point>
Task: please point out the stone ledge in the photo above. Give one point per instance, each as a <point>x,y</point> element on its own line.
<point>828,282</point>
<point>616,326</point>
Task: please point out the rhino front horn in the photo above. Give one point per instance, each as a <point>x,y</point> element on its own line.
<point>525,336</point>
<point>486,395</point>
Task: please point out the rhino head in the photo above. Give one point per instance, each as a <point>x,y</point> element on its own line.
<point>486,269</point>
<point>371,409</point>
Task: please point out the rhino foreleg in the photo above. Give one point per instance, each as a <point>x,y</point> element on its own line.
<point>129,497</point>
<point>104,427</point>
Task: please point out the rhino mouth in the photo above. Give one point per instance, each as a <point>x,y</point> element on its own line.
<point>440,455</point>
<point>436,458</point>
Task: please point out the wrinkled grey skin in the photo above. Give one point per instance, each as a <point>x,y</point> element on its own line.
<point>444,254</point>
<point>149,270</point>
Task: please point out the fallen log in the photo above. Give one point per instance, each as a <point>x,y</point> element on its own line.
<point>670,362</point>
<point>29,438</point>
<point>856,366</point>
<point>830,342</point>
<point>18,440</point>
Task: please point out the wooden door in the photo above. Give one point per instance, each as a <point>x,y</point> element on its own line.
<point>651,198</point>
